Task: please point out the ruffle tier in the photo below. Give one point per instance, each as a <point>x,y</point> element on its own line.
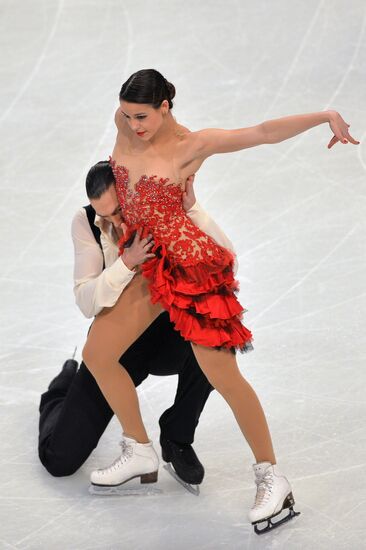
<point>199,298</point>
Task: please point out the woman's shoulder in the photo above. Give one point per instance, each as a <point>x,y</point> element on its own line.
<point>186,151</point>
<point>182,131</point>
<point>186,136</point>
<point>188,139</point>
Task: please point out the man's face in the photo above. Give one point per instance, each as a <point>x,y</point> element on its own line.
<point>108,208</point>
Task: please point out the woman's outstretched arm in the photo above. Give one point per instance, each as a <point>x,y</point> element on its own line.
<point>212,141</point>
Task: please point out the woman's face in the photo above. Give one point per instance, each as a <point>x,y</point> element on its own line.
<point>143,119</point>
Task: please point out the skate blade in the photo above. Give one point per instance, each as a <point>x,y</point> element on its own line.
<point>193,489</point>
<point>120,491</point>
<point>274,524</point>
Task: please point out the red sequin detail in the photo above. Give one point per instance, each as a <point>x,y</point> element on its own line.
<point>191,275</point>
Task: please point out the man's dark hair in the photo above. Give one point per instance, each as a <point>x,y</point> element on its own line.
<point>99,178</point>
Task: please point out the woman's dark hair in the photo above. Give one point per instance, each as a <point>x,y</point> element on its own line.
<point>99,178</point>
<point>147,86</point>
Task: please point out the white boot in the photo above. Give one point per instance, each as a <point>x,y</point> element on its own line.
<point>273,495</point>
<point>136,460</point>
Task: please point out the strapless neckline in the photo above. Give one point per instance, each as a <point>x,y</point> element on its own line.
<point>142,178</point>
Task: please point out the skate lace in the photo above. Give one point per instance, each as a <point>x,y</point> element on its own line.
<point>125,455</point>
<point>264,489</point>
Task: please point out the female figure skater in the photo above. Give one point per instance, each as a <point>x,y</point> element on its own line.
<point>185,273</point>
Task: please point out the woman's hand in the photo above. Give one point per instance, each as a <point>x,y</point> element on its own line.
<point>340,130</point>
<point>189,198</point>
<point>138,252</point>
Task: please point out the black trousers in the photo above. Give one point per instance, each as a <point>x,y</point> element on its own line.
<point>74,412</point>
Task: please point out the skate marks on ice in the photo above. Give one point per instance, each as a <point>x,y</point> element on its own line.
<point>121,491</point>
<point>134,489</point>
<point>260,528</point>
<point>130,487</point>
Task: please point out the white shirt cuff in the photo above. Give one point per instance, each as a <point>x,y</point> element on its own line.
<point>118,274</point>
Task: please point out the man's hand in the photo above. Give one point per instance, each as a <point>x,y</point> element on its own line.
<point>138,252</point>
<point>189,198</point>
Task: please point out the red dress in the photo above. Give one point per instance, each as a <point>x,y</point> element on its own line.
<point>191,276</point>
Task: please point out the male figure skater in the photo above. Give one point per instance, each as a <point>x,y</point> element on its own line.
<point>73,411</point>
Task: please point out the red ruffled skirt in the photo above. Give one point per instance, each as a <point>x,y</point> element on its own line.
<point>199,298</point>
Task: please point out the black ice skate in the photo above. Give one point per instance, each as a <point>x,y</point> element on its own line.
<point>183,464</point>
<point>63,380</point>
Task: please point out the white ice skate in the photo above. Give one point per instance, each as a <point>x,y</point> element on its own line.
<point>274,494</point>
<point>136,460</point>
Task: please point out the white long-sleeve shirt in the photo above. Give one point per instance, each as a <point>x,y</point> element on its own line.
<point>95,287</point>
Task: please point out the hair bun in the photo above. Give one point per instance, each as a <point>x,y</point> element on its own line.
<point>147,86</point>
<point>171,89</point>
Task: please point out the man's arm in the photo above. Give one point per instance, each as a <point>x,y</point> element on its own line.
<point>94,288</point>
<point>202,220</point>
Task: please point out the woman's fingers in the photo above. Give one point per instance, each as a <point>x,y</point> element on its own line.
<point>340,128</point>
<point>350,138</point>
<point>344,139</point>
<point>332,142</point>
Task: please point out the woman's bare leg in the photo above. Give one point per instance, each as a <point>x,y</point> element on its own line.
<point>111,334</point>
<point>221,370</point>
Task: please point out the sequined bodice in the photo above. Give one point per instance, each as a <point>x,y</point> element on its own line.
<point>156,203</point>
